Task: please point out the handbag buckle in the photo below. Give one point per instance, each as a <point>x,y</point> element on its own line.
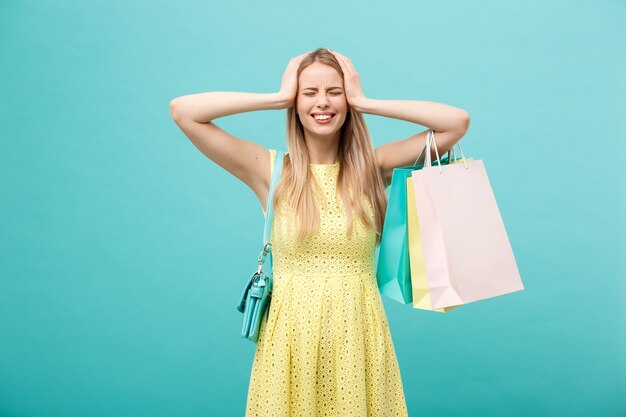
<point>265,247</point>
<point>266,250</point>
<point>254,276</point>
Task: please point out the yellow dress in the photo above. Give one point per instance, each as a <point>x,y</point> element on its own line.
<point>325,348</point>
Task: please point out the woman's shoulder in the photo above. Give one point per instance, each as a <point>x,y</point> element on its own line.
<point>272,159</point>
<point>273,153</point>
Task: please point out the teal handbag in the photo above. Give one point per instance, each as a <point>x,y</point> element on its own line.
<point>393,270</point>
<point>256,295</point>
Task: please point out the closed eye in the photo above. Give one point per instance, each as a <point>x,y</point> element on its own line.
<point>310,94</point>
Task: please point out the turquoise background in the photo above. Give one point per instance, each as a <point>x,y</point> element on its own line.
<point>124,249</point>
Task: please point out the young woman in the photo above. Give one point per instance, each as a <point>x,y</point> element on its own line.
<point>324,348</point>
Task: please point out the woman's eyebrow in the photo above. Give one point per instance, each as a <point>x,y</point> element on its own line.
<point>315,88</point>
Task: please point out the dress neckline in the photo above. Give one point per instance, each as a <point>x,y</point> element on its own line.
<point>324,165</point>
<point>319,165</point>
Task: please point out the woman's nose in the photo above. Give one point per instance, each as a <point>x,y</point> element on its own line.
<point>322,101</point>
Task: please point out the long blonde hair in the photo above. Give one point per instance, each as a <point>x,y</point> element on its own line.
<point>357,161</point>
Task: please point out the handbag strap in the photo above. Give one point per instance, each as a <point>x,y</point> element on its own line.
<point>269,216</point>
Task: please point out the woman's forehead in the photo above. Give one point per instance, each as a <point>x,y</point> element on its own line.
<point>317,75</point>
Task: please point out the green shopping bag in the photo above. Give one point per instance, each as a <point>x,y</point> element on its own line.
<point>393,269</point>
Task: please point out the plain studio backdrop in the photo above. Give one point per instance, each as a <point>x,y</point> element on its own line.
<point>124,250</point>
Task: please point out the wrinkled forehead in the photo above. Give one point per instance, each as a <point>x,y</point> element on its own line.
<point>319,76</point>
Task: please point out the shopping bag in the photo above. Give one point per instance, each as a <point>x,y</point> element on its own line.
<point>392,269</point>
<point>419,283</point>
<point>393,273</point>
<point>466,250</point>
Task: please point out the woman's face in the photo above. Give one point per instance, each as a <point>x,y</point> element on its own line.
<point>320,91</point>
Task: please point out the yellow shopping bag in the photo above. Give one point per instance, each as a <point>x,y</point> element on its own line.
<point>419,283</point>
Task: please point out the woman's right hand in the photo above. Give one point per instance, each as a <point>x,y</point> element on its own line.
<point>289,85</point>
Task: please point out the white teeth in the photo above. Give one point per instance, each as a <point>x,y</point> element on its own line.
<point>322,117</point>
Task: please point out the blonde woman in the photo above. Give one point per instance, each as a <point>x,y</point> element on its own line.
<point>324,347</point>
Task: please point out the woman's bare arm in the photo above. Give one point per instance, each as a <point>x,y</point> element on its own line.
<point>245,159</point>
<point>449,124</point>
<point>205,107</point>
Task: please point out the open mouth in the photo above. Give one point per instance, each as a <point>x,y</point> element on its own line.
<point>323,118</point>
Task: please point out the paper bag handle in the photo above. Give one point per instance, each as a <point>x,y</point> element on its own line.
<point>430,141</point>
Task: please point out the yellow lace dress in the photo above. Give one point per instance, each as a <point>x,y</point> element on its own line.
<point>325,348</point>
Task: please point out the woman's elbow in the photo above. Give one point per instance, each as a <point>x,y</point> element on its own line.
<point>464,121</point>
<point>175,108</point>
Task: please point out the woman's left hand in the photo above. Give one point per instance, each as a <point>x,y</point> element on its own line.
<point>351,80</point>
